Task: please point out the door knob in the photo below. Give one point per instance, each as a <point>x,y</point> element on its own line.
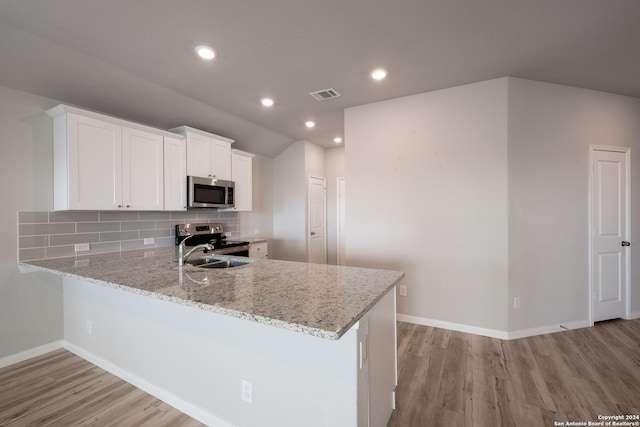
<point>625,243</point>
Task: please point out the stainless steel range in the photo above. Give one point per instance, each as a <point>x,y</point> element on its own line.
<point>210,233</point>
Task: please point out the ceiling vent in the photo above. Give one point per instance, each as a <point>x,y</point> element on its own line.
<point>321,95</point>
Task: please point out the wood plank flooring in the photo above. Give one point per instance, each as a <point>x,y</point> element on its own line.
<point>62,389</point>
<point>449,378</point>
<point>446,378</point>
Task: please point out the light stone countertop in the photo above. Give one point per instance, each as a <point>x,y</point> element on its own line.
<point>252,240</point>
<point>316,299</point>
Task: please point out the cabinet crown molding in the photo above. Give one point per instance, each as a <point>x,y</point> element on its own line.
<point>182,130</point>
<point>60,109</point>
<point>242,153</point>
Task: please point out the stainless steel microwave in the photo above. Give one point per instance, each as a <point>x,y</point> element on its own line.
<point>209,193</point>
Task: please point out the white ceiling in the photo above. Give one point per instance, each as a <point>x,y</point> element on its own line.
<point>135,59</point>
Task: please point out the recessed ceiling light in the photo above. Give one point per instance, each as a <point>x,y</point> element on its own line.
<point>310,124</point>
<point>205,52</point>
<point>378,74</point>
<point>267,102</point>
<point>337,140</point>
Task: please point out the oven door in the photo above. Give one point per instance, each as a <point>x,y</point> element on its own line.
<point>209,193</point>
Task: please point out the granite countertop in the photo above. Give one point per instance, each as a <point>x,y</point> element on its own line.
<point>316,299</point>
<point>253,240</point>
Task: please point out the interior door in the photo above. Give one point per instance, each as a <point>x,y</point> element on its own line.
<point>610,246</point>
<point>317,221</point>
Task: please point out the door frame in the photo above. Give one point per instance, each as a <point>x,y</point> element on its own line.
<point>324,180</point>
<point>626,292</point>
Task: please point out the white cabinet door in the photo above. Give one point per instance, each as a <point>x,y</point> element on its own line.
<point>175,174</point>
<point>198,155</point>
<point>242,175</point>
<point>220,159</point>
<point>208,154</point>
<point>142,170</point>
<point>93,166</point>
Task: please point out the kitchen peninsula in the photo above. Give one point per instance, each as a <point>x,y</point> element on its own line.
<point>315,343</point>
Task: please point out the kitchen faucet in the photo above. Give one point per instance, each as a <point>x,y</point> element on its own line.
<point>182,257</point>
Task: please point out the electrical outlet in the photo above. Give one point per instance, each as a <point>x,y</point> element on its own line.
<point>402,289</point>
<point>247,391</point>
<point>516,302</point>
<point>89,327</point>
<point>79,247</point>
<point>82,263</point>
<point>149,241</point>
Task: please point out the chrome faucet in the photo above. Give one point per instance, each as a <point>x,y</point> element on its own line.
<point>182,257</point>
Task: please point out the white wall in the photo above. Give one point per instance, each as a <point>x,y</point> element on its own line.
<point>30,304</point>
<point>314,160</point>
<point>289,214</point>
<point>490,187</point>
<point>427,194</point>
<point>291,171</point>
<point>550,130</point>
<point>335,168</point>
<point>259,222</point>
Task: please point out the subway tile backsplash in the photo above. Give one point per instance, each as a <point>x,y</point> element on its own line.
<point>54,234</point>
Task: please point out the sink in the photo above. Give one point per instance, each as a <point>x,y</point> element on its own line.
<point>217,262</point>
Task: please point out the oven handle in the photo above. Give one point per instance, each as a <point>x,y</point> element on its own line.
<point>230,251</point>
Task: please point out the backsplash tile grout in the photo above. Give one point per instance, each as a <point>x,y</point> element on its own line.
<point>43,235</point>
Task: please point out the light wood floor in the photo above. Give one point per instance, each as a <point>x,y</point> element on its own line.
<point>449,378</point>
<point>446,378</point>
<point>61,389</point>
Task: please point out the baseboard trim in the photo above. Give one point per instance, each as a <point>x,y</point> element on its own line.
<point>180,404</point>
<point>635,315</point>
<point>494,333</point>
<point>30,353</point>
<point>549,329</point>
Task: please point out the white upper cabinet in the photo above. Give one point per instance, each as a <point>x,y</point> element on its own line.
<point>208,155</point>
<point>242,175</point>
<point>175,173</point>
<point>105,163</point>
<point>87,163</point>
<point>221,158</point>
<point>198,155</point>
<point>142,170</point>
